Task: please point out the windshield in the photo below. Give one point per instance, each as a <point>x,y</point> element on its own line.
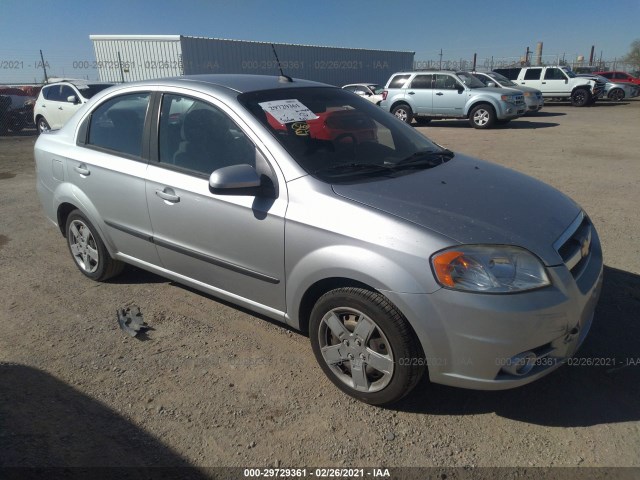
<point>504,81</point>
<point>89,90</point>
<point>569,72</point>
<point>469,80</point>
<point>337,136</point>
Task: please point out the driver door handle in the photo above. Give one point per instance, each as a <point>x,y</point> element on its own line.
<point>82,169</point>
<point>168,194</point>
<point>439,94</point>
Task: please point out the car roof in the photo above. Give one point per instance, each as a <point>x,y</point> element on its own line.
<point>240,83</point>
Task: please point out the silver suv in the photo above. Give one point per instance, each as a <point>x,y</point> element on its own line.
<point>426,96</point>
<point>312,206</point>
<point>532,96</point>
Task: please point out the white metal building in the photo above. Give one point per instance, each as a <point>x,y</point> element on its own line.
<point>140,57</point>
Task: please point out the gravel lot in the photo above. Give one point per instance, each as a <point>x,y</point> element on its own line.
<point>216,386</point>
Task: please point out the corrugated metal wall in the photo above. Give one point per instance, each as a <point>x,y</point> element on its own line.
<point>142,57</point>
<point>336,66</point>
<point>148,56</point>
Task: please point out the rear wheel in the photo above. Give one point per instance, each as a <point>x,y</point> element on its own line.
<point>617,95</point>
<point>580,97</point>
<point>482,116</point>
<point>88,249</point>
<point>365,345</point>
<point>43,125</point>
<point>403,112</point>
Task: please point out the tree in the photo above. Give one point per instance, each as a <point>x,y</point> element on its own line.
<point>633,57</point>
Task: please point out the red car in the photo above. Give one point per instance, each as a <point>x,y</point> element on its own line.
<point>619,77</point>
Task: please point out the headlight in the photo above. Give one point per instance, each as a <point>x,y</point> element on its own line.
<point>507,98</point>
<point>489,269</point>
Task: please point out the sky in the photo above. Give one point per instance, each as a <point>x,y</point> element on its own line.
<point>500,29</point>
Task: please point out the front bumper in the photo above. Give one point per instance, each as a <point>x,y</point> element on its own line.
<point>470,338</point>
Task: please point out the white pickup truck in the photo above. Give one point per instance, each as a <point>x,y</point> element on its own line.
<point>556,83</point>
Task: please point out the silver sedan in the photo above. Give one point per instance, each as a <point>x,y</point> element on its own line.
<point>314,207</point>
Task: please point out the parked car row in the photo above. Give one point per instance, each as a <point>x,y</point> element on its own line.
<point>489,98</point>
<point>313,206</point>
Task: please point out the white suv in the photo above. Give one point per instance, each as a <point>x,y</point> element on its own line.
<point>57,102</point>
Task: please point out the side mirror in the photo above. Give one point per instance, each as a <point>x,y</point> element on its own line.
<point>491,84</point>
<point>72,99</point>
<point>460,89</point>
<point>235,180</point>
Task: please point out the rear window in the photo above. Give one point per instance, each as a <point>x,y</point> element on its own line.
<point>398,81</point>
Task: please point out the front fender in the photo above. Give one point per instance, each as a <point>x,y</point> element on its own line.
<point>347,262</point>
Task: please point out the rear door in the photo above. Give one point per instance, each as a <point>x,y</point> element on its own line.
<point>109,167</point>
<point>532,78</point>
<point>420,94</point>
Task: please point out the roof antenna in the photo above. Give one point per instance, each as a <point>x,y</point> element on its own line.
<point>283,78</point>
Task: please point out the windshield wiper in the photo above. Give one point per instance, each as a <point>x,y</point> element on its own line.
<point>349,168</point>
<point>426,159</point>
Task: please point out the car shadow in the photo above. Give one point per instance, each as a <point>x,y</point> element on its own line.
<point>543,114</point>
<point>465,124</point>
<point>602,385</point>
<point>45,423</point>
<point>136,276</point>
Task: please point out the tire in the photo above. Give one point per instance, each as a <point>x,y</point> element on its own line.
<point>351,328</point>
<point>616,95</point>
<point>87,249</point>
<point>42,125</point>
<point>482,116</point>
<point>580,97</point>
<point>423,120</point>
<point>403,112</point>
<point>16,123</point>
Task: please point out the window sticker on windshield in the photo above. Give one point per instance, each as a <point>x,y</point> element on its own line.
<point>301,129</point>
<point>287,111</point>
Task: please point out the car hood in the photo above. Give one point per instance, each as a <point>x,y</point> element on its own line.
<point>472,201</point>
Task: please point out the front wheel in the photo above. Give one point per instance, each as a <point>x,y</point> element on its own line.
<point>482,116</point>
<point>403,112</point>
<point>88,249</point>
<point>365,345</point>
<point>580,98</point>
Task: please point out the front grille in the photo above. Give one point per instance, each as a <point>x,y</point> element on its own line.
<point>574,246</point>
<point>518,99</point>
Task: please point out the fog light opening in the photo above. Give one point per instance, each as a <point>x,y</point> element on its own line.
<point>521,364</point>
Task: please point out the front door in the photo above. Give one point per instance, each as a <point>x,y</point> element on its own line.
<point>449,96</point>
<point>233,243</point>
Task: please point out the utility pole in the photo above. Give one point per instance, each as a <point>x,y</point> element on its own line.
<point>46,79</point>
<point>120,63</point>
<point>440,59</point>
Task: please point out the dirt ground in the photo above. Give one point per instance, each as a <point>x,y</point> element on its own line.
<point>213,385</point>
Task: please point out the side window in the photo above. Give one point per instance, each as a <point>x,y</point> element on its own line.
<point>362,91</point>
<point>554,74</point>
<point>65,92</point>
<point>53,93</point>
<point>421,81</point>
<point>351,88</point>
<point>608,75</point>
<point>510,73</point>
<point>533,74</point>
<point>199,137</point>
<point>484,79</point>
<point>620,76</point>
<point>398,81</point>
<point>118,124</point>
<point>446,82</point>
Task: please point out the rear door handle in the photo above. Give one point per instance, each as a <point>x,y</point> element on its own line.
<point>59,108</point>
<point>412,93</point>
<point>82,169</point>
<point>544,83</point>
<point>439,94</point>
<point>168,194</point>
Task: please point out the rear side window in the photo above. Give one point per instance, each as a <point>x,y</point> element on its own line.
<point>117,124</point>
<point>398,81</point>
<point>533,74</point>
<point>510,73</point>
<point>421,81</point>
<point>65,92</point>
<point>52,93</point>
